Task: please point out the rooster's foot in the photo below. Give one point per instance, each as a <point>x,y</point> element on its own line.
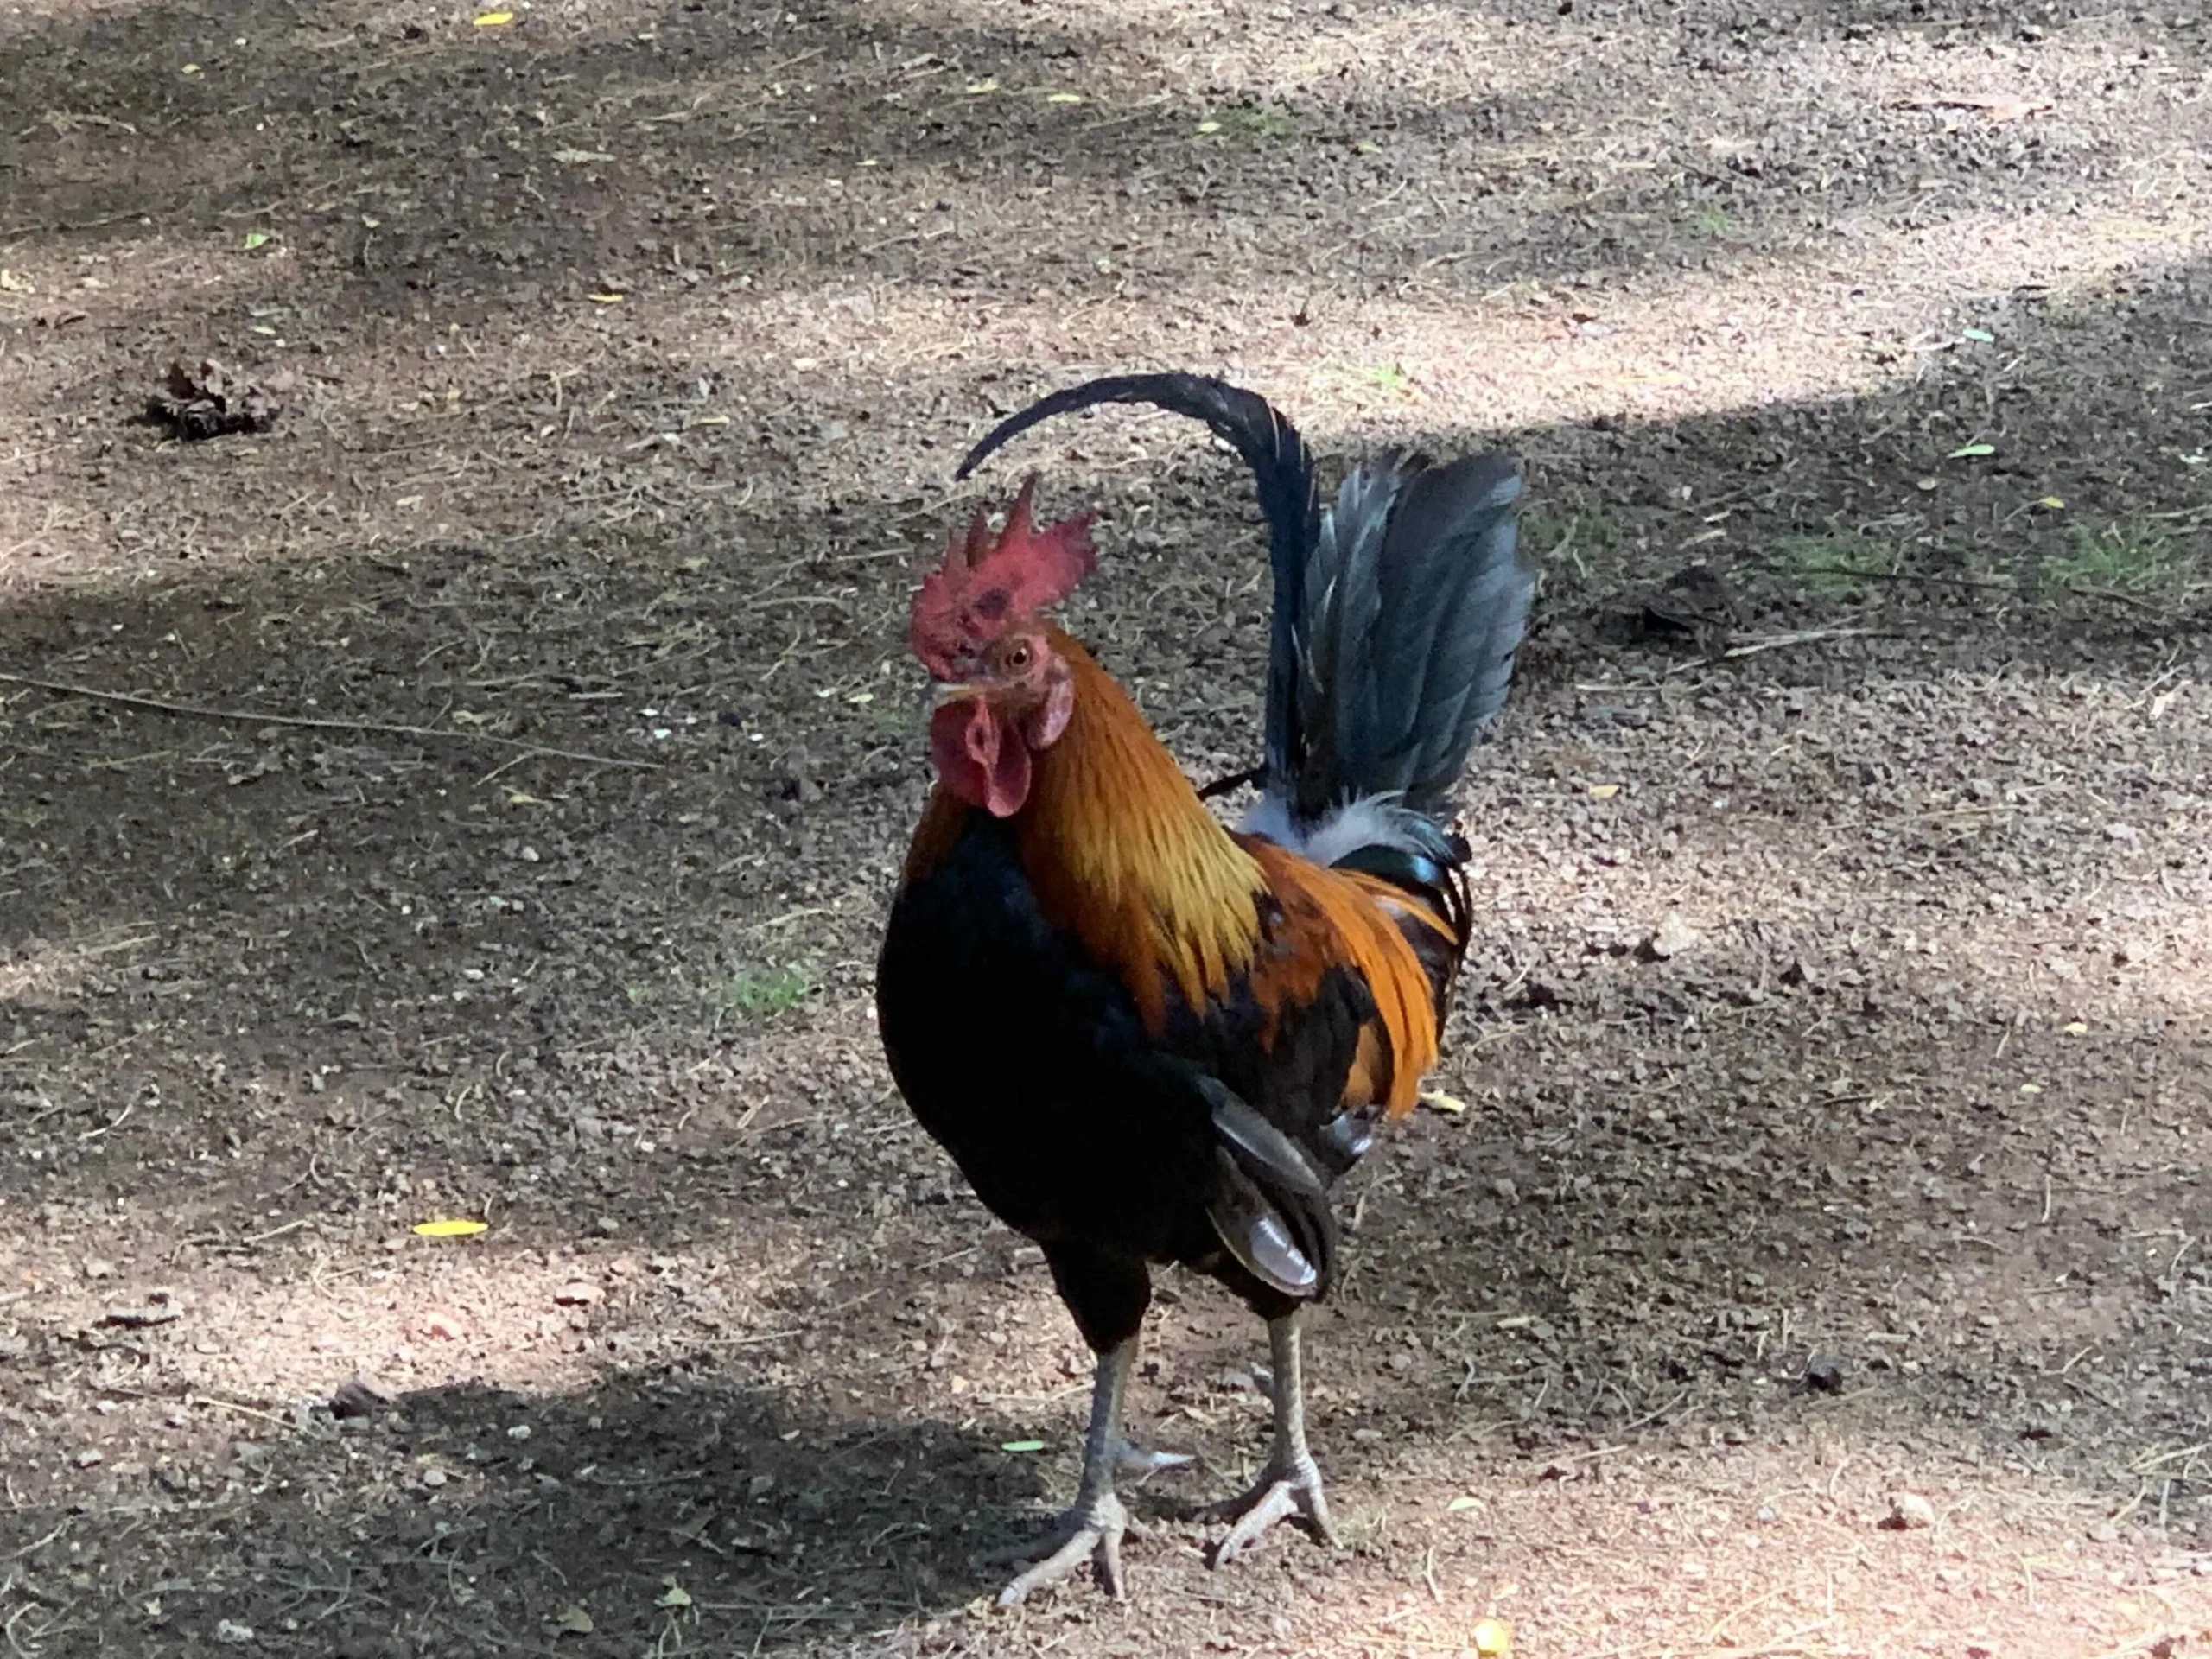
<point>1092,1530</point>
<point>1285,1488</point>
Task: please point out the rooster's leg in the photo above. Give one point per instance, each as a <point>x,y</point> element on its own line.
<point>1093,1528</point>
<point>1290,1484</point>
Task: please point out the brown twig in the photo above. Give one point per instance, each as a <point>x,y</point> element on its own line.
<point>1811,636</point>
<point>319,724</point>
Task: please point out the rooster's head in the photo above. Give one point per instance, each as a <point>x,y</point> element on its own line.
<point>1003,692</point>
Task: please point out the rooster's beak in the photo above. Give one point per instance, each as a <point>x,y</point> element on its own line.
<point>940,693</point>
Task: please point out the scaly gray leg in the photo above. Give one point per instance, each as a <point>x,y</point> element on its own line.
<point>1094,1527</point>
<point>1290,1484</point>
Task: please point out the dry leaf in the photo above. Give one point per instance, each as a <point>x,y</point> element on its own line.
<point>449,1228</point>
<point>210,401</point>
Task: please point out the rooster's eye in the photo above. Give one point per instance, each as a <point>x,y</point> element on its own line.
<point>1018,659</point>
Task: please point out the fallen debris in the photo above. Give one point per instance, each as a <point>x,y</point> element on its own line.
<point>212,402</point>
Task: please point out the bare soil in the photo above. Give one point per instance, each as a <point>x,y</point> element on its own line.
<point>478,796</point>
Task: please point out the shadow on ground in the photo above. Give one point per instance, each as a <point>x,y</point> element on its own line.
<point>648,1508</point>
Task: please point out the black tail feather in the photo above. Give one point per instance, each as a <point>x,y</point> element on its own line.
<point>1415,599</point>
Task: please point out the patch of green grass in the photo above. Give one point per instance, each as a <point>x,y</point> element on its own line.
<point>1391,376</point>
<point>1552,533</point>
<point>1712,220</point>
<point>1597,529</point>
<point>1248,121</point>
<point>2138,555</point>
<point>761,991</point>
<point>1833,566</point>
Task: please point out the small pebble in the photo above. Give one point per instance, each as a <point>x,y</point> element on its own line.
<point>1909,1512</point>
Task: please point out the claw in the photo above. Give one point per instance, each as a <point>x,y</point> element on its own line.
<point>1280,1494</point>
<point>1092,1531</point>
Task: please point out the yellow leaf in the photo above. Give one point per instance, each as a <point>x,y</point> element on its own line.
<point>1209,126</point>
<point>516,797</point>
<point>572,1620</point>
<point>1461,1505</point>
<point>449,1228</point>
<point>1492,1637</point>
<point>1604,792</point>
<point>2032,1088</point>
<point>1439,1101</point>
<point>2075,1028</point>
<point>675,1596</point>
<point>989,84</point>
<point>1064,98</point>
<point>2051,502</point>
<point>605,299</point>
<point>500,20</point>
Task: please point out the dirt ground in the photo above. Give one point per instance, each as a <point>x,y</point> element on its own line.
<point>478,795</point>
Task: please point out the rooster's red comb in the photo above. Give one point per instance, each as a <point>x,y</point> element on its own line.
<point>986,583</point>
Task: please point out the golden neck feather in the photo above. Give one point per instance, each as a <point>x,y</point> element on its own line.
<point>1122,853</point>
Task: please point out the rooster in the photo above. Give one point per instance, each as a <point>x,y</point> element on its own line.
<point>1144,1038</point>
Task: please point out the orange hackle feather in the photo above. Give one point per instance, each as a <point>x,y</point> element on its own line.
<point>1121,853</point>
<point>1337,918</point>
